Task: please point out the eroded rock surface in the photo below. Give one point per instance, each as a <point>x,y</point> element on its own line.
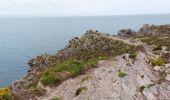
<point>105,84</point>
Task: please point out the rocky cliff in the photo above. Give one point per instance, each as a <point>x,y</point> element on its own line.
<point>129,66</point>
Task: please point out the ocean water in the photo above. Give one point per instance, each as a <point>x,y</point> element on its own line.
<point>22,38</point>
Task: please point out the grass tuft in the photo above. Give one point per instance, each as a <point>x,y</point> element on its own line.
<point>56,98</point>
<point>121,74</point>
<point>158,61</point>
<point>37,90</point>
<point>50,78</point>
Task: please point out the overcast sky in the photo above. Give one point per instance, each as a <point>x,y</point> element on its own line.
<point>82,7</point>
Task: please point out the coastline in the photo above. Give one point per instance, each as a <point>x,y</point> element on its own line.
<point>72,50</point>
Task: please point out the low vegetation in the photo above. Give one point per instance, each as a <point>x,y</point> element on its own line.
<point>141,88</point>
<point>121,74</point>
<point>49,77</point>
<point>133,56</point>
<point>154,40</point>
<point>56,98</point>
<point>94,45</point>
<point>84,55</point>
<point>6,94</point>
<point>163,29</point>
<point>157,61</point>
<point>72,68</point>
<point>37,90</point>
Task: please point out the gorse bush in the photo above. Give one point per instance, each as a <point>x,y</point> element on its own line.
<point>6,94</point>
<point>157,61</point>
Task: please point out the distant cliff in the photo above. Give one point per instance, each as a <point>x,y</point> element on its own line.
<point>146,30</point>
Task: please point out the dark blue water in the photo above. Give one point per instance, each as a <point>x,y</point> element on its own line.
<point>25,38</point>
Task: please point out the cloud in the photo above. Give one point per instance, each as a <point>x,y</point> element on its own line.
<point>82,7</point>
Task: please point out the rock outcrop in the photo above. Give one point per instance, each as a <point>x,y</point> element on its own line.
<point>37,65</point>
<point>134,68</point>
<point>104,83</point>
<point>161,30</point>
<point>91,45</point>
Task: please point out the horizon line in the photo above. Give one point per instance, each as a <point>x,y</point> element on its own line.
<point>13,16</point>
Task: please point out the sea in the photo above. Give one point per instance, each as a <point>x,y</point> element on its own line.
<point>23,38</point>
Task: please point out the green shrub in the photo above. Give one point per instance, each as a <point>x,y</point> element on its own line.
<point>157,61</point>
<point>50,78</point>
<point>92,61</point>
<point>72,66</point>
<point>121,74</point>
<point>5,94</point>
<point>150,40</point>
<point>37,90</point>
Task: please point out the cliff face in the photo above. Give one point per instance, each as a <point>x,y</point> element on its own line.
<point>132,65</point>
<point>141,76</point>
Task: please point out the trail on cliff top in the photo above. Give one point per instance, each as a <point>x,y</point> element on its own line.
<point>104,83</point>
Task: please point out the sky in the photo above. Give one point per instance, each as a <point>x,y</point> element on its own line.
<point>82,7</point>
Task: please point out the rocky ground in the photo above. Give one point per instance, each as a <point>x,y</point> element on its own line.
<point>140,83</point>
<point>137,68</point>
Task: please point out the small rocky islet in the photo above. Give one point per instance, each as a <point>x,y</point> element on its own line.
<point>98,66</point>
